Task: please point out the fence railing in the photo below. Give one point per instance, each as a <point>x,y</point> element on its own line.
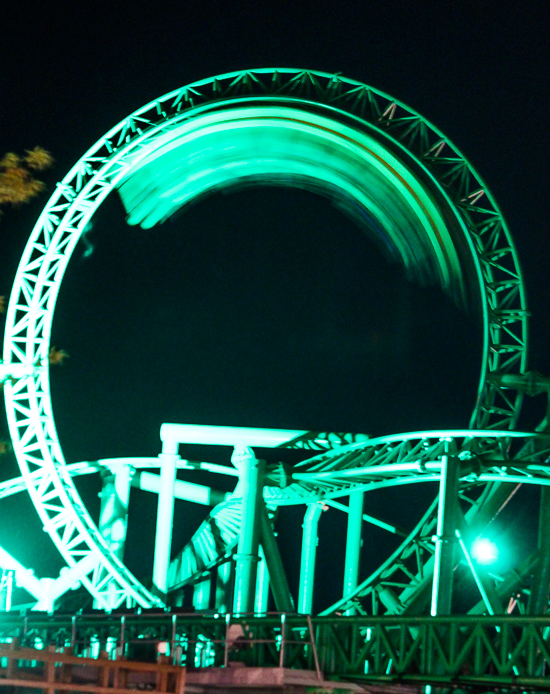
<point>502,651</point>
<point>53,671</point>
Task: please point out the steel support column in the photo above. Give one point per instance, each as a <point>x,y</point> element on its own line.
<point>309,553</point>
<point>201,594</point>
<point>224,585</point>
<point>353,544</point>
<point>113,522</point>
<point>445,540</point>
<point>165,515</point>
<point>277,576</point>
<point>113,515</point>
<point>251,481</point>
<point>262,584</point>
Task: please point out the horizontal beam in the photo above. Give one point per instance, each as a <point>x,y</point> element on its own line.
<point>227,436</point>
<point>91,467</point>
<point>186,491</point>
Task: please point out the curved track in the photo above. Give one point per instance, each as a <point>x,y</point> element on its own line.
<point>373,138</point>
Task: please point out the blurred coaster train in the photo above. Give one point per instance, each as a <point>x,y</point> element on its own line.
<point>420,201</point>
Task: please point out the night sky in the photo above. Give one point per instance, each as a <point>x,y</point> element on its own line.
<point>267,307</point>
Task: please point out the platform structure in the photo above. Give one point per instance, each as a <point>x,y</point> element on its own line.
<point>57,670</point>
<point>277,652</point>
<point>357,145</point>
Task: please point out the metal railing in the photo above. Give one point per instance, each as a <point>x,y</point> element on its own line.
<point>501,651</point>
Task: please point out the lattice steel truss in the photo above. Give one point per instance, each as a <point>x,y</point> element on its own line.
<point>504,653</point>
<point>108,163</point>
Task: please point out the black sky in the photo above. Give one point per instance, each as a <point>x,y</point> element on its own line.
<point>266,307</point>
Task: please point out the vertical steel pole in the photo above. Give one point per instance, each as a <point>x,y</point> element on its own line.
<point>224,585</point>
<point>113,515</point>
<point>277,576</point>
<point>251,480</point>
<point>226,645</point>
<point>165,515</point>
<point>121,641</point>
<point>314,648</point>
<point>309,553</point>
<point>353,545</point>
<point>201,595</point>
<point>262,584</point>
<point>283,641</point>
<point>445,540</point>
<point>173,639</point>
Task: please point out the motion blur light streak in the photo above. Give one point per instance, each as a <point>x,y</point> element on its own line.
<point>277,145</point>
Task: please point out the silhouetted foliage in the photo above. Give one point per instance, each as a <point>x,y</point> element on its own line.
<point>17,182</point>
<point>57,356</point>
<point>5,447</point>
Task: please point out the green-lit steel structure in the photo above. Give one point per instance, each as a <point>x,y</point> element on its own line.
<point>415,194</point>
<point>444,652</point>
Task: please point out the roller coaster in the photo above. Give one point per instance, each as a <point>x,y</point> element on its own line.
<point>408,185</point>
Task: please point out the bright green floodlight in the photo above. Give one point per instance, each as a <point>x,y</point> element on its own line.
<point>484,551</point>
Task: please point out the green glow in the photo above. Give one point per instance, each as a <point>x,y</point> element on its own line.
<point>226,436</point>
<point>281,145</point>
<point>485,551</point>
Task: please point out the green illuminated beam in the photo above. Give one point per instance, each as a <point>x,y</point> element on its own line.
<point>113,515</point>
<point>421,527</point>
<point>262,584</point>
<point>277,576</point>
<point>447,520</point>
<point>224,580</point>
<point>353,545</point>
<point>226,436</point>
<point>251,472</point>
<point>369,519</point>
<point>165,515</point>
<point>309,556</point>
<point>185,491</point>
<point>201,594</point>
